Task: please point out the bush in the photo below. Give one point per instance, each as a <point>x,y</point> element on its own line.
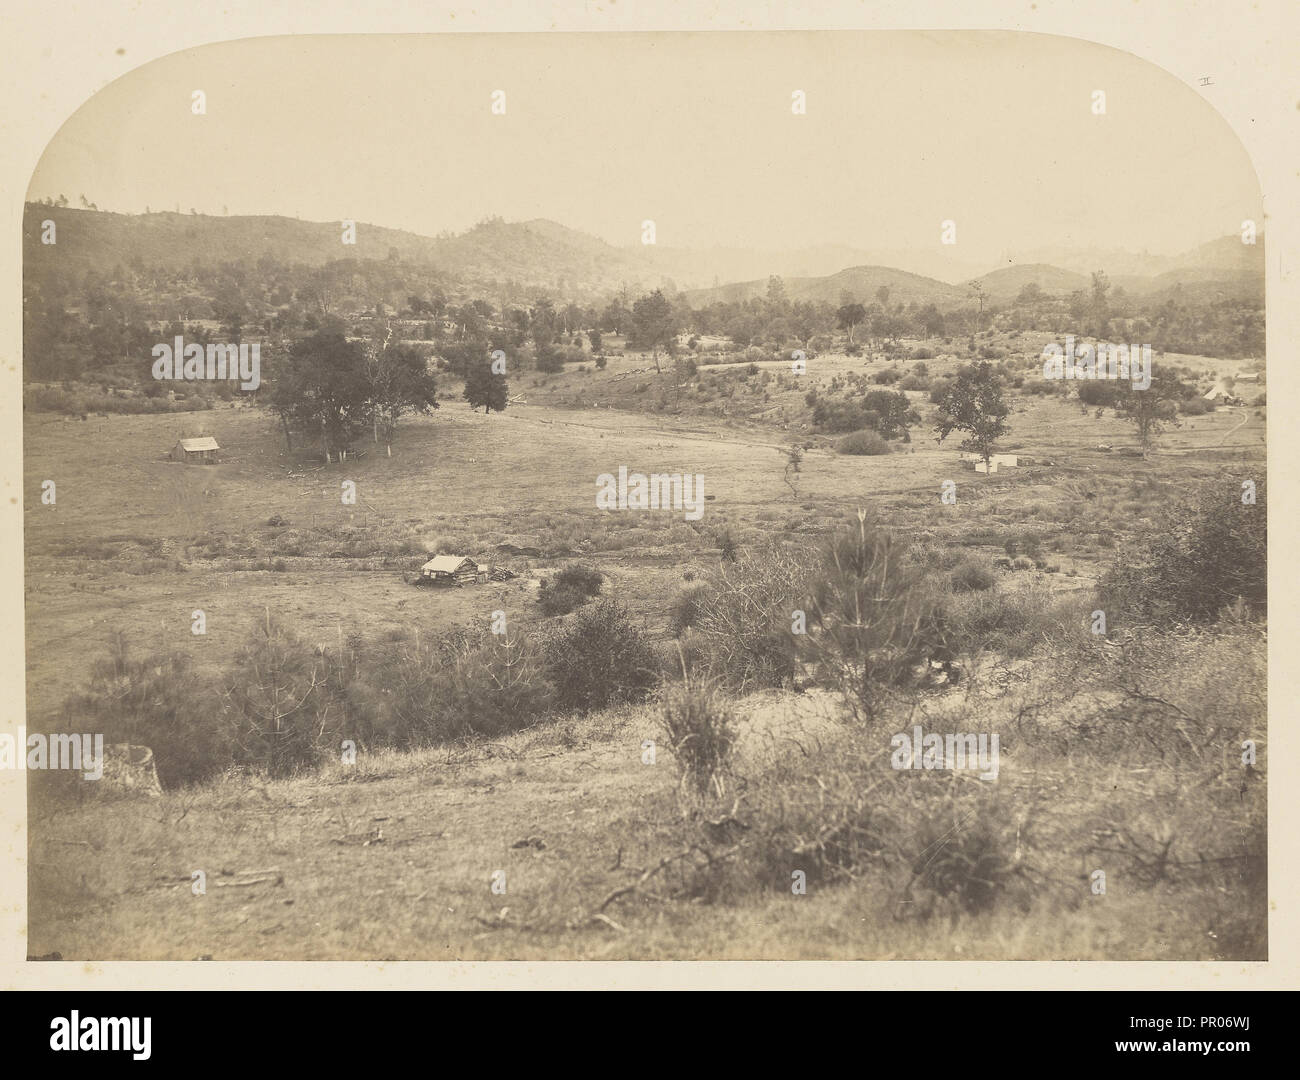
<point>727,545</point>
<point>872,617</point>
<point>838,415</point>
<point>685,611</point>
<point>466,684</point>
<point>601,362</point>
<point>938,388</point>
<point>549,359</point>
<point>1025,543</point>
<point>700,730</point>
<point>888,376</point>
<point>1210,553</point>
<point>599,658</point>
<point>1194,407</point>
<point>284,712</point>
<point>157,701</point>
<point>1098,392</point>
<point>1013,622</point>
<point>586,579</point>
<point>863,442</point>
<point>742,616</point>
<point>557,600</point>
<point>970,868</point>
<point>972,575</point>
<point>571,587</point>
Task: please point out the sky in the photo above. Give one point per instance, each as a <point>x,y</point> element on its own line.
<point>903,131</point>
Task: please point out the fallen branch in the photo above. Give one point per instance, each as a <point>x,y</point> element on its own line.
<point>624,890</point>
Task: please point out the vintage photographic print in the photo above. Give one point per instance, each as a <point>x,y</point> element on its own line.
<point>661,496</point>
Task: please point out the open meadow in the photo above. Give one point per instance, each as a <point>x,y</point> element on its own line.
<point>559,837</point>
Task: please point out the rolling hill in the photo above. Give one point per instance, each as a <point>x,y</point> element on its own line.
<point>861,282</point>
<point>539,253</point>
<point>1005,284</point>
<point>545,255</point>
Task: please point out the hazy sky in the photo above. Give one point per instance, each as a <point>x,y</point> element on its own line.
<point>903,130</point>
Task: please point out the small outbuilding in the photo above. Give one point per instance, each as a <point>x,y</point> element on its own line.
<point>450,570</point>
<point>202,451</point>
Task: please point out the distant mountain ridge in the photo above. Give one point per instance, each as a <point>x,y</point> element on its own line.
<point>545,255</point>
<point>861,282</point>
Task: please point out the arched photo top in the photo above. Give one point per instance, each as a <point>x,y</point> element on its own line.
<point>770,141</point>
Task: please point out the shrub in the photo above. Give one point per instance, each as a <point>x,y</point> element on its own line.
<point>586,579</point>
<point>742,614</point>
<point>571,587</point>
<point>1194,407</point>
<point>936,556</point>
<point>863,442</point>
<point>1025,543</point>
<point>689,655</point>
<point>599,658</point>
<point>601,362</point>
<point>727,545</point>
<point>700,730</point>
<point>1210,553</point>
<point>968,868</point>
<point>558,600</point>
<point>1012,622</point>
<point>686,609</point>
<point>838,415</point>
<point>888,376</point>
<point>157,701</point>
<point>972,575</point>
<point>872,617</point>
<point>279,711</point>
<point>466,684</point>
<point>1098,392</point>
<point>549,359</point>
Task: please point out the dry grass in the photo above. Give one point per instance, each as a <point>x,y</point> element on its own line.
<point>394,857</point>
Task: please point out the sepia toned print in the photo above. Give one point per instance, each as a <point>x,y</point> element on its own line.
<point>665,496</point>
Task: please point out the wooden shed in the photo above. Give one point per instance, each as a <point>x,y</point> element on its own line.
<point>450,570</point>
<point>202,451</point>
